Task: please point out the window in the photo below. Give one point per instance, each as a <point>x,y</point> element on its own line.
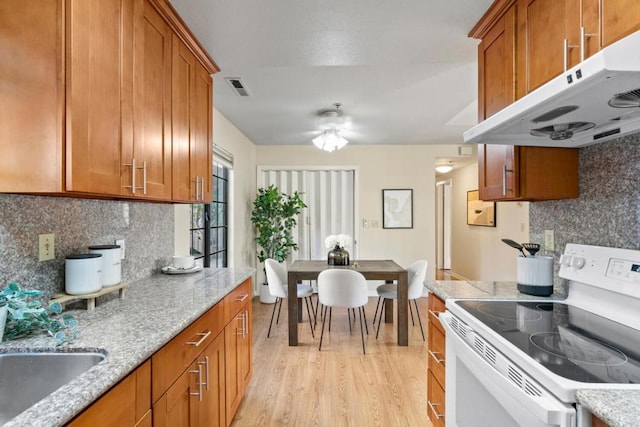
<point>210,223</point>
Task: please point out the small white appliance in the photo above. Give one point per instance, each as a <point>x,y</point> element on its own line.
<point>111,265</point>
<point>595,101</point>
<point>82,274</point>
<point>520,362</point>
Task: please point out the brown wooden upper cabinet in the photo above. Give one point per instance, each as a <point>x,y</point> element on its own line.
<point>508,172</point>
<point>92,117</point>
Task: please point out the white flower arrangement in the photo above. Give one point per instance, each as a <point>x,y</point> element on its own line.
<point>342,240</point>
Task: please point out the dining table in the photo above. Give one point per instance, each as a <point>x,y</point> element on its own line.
<point>386,270</point>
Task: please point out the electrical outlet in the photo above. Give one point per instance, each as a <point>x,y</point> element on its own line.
<point>120,242</point>
<point>47,249</point>
<point>549,240</point>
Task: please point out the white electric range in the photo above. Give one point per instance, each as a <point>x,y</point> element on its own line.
<point>519,362</point>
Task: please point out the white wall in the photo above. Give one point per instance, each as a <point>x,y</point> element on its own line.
<point>380,167</point>
<point>241,242</point>
<point>477,253</point>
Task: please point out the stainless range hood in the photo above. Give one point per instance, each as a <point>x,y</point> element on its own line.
<point>595,101</point>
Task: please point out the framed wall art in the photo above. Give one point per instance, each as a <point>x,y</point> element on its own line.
<point>480,212</point>
<point>397,208</point>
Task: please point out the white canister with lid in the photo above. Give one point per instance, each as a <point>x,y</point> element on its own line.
<point>82,274</point>
<point>111,264</point>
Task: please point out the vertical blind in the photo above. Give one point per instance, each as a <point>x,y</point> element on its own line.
<point>330,199</point>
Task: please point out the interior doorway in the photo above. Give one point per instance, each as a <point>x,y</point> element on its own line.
<point>443,225</point>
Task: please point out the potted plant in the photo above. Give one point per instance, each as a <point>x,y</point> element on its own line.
<point>274,216</point>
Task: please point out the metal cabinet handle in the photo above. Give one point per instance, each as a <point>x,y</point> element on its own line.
<point>565,48</point>
<point>199,393</point>
<point>133,176</point>
<point>206,370</point>
<point>583,41</point>
<point>242,298</point>
<point>433,409</point>
<point>433,354</point>
<point>504,179</point>
<point>144,177</point>
<point>434,313</point>
<point>204,336</point>
<point>240,331</point>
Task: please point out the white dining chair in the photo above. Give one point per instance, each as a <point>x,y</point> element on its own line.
<point>416,272</point>
<point>344,289</point>
<point>277,281</point>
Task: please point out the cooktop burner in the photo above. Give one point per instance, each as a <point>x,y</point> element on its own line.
<point>570,342</point>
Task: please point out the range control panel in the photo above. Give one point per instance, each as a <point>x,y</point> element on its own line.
<point>623,269</point>
<point>608,268</point>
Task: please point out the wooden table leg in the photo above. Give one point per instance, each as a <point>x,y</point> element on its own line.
<point>388,307</point>
<point>403,309</point>
<point>299,310</point>
<point>292,305</point>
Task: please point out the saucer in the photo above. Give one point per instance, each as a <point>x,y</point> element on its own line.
<point>174,270</point>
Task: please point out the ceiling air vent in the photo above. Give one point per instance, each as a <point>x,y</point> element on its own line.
<point>238,86</point>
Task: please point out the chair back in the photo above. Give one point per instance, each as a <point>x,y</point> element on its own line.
<point>342,288</point>
<point>417,271</point>
<point>276,278</point>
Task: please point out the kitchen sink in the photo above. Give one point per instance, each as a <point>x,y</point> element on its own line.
<point>27,377</point>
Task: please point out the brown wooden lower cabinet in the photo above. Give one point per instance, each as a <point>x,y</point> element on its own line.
<point>128,403</point>
<point>597,422</point>
<point>436,363</point>
<point>197,379</point>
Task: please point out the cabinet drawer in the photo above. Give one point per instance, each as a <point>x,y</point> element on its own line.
<point>435,401</point>
<point>236,300</point>
<point>436,305</point>
<point>436,354</point>
<point>170,361</point>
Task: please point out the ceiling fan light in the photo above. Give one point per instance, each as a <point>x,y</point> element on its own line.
<point>329,140</point>
<point>444,168</point>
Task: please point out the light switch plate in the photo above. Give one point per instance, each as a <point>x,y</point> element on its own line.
<point>46,247</point>
<point>549,240</point>
<point>120,242</point>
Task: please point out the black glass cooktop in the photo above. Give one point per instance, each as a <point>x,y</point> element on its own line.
<point>570,342</point>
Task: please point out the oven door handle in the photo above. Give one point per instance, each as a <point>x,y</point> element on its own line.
<point>544,406</point>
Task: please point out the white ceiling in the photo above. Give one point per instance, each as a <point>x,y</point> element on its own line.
<point>404,70</point>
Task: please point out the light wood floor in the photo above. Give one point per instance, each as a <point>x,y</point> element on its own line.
<point>339,386</point>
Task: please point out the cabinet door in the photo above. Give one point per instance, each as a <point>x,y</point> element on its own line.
<point>496,66</point>
<point>183,75</point>
<point>32,96</point>
<point>246,354</point>
<point>544,25</point>
<point>233,347</point>
<point>212,408</point>
<point>99,56</point>
<point>179,405</point>
<point>497,172</point>
<point>619,18</point>
<point>202,139</point>
<point>151,147</point>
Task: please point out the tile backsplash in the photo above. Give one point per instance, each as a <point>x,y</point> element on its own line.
<point>607,213</point>
<point>148,230</point>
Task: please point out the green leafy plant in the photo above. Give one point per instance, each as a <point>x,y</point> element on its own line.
<point>274,216</point>
<point>26,316</point>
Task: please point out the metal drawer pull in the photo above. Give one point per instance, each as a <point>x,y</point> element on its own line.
<point>242,298</point>
<point>433,354</point>
<point>204,336</point>
<point>206,371</point>
<point>434,314</point>
<point>144,177</point>
<point>199,393</point>
<point>433,409</point>
<point>504,179</point>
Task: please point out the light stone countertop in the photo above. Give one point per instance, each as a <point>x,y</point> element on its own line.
<point>153,311</point>
<point>616,407</point>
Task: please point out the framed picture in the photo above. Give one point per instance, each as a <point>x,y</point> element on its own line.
<point>397,208</point>
<point>480,212</point>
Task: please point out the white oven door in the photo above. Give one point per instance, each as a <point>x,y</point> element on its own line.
<point>478,394</point>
